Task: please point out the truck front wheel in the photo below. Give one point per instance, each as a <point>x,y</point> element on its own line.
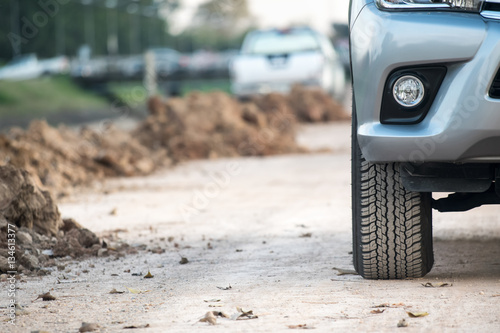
<point>392,227</point>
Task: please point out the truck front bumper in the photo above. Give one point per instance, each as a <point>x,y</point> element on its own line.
<point>463,122</point>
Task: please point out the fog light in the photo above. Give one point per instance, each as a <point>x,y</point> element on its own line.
<point>408,91</point>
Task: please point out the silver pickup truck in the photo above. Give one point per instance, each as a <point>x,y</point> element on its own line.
<point>426,118</point>
<point>275,59</point>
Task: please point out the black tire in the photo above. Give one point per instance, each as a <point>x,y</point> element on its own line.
<point>392,227</point>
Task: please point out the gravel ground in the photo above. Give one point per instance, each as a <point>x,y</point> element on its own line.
<point>271,235</point>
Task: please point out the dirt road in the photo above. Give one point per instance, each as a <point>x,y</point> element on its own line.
<point>276,234</point>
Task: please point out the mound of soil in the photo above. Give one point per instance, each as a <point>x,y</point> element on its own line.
<point>314,105</point>
<point>215,125</point>
<point>60,158</point>
<point>30,223</point>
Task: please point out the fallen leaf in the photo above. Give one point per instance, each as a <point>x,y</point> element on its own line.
<point>89,327</point>
<point>437,285</point>
<point>243,315</point>
<point>417,314</point>
<point>345,271</point>
<point>387,305</point>
<point>225,288</point>
<point>20,310</point>
<point>303,327</point>
<point>183,261</point>
<point>136,326</point>
<point>114,291</point>
<point>306,235</point>
<point>403,323</point>
<point>113,211</point>
<point>136,291</point>
<point>148,276</point>
<point>209,318</point>
<point>46,297</point>
<point>377,311</point>
<point>221,314</point>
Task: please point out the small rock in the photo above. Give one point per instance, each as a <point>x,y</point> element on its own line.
<point>102,252</point>
<point>30,261</point>
<point>48,252</point>
<point>403,323</point>
<point>4,265</point>
<point>89,327</point>
<point>70,224</point>
<point>3,222</point>
<point>24,238</point>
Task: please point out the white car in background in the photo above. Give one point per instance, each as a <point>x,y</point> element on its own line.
<point>24,67</point>
<point>274,60</point>
<point>28,67</point>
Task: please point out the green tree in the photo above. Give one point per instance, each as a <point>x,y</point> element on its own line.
<point>218,24</point>
<point>52,27</point>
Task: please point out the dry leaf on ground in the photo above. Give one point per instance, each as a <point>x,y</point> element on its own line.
<point>417,314</point>
<point>46,297</point>
<point>114,291</point>
<point>243,315</point>
<point>136,291</point>
<point>149,275</point>
<point>300,327</point>
<point>89,327</point>
<point>211,317</point>
<point>136,326</point>
<point>345,271</point>
<point>387,305</point>
<point>225,288</point>
<point>437,284</point>
<point>378,311</point>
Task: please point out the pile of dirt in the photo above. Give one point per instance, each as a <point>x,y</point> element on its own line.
<point>31,228</point>
<point>60,158</point>
<point>314,105</point>
<point>195,127</point>
<point>216,125</point>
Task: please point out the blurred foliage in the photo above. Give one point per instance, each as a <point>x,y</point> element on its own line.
<point>54,27</point>
<point>218,25</point>
<point>60,27</point>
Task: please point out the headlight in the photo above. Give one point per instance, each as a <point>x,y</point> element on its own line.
<point>462,5</point>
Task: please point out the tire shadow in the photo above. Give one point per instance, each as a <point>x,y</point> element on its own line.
<point>466,258</point>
